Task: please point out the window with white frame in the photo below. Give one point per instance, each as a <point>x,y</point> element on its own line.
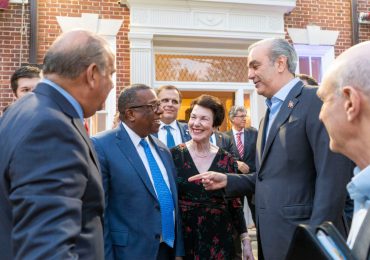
<point>313,60</point>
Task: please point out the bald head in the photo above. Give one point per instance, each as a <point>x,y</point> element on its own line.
<point>74,51</point>
<point>351,68</point>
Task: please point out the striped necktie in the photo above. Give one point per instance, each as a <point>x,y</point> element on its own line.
<point>239,144</point>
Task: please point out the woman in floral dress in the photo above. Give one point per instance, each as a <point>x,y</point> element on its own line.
<point>210,221</point>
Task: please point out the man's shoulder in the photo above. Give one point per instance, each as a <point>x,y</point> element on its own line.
<point>251,129</point>
<point>107,134</point>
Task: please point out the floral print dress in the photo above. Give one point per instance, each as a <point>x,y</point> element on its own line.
<point>210,221</point>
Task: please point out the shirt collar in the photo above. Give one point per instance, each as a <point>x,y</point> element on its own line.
<point>281,95</point>
<point>359,187</point>
<point>236,131</point>
<point>68,96</point>
<point>135,138</point>
<point>173,124</point>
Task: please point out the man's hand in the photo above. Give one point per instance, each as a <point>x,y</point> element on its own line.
<point>210,180</point>
<point>243,167</point>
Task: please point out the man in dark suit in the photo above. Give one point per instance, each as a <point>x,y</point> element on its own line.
<point>297,180</point>
<point>135,224</point>
<point>223,141</point>
<point>244,146</point>
<point>171,132</point>
<point>51,194</point>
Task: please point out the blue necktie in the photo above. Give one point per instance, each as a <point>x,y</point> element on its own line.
<point>170,140</point>
<point>164,197</point>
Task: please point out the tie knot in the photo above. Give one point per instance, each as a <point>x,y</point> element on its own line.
<point>144,143</point>
<point>239,134</point>
<point>167,127</point>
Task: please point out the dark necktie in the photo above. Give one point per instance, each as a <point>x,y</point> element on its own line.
<point>265,129</point>
<point>170,140</point>
<point>164,197</point>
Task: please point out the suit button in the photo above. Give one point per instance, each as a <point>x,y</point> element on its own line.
<point>260,178</point>
<point>157,236</point>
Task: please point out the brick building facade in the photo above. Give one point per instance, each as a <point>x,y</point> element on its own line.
<point>14,47</point>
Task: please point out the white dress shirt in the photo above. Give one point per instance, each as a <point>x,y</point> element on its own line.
<point>136,141</point>
<point>175,131</point>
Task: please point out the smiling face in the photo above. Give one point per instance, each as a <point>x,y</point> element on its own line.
<point>200,124</point>
<point>145,119</point>
<point>262,70</point>
<point>170,103</point>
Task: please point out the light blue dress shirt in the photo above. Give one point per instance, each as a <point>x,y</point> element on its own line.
<point>359,191</point>
<point>274,104</point>
<point>68,96</point>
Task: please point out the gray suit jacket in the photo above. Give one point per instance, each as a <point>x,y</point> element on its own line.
<point>51,194</point>
<point>132,222</point>
<point>298,179</point>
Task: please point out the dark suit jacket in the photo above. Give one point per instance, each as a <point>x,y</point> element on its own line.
<point>298,179</point>
<point>224,141</point>
<point>250,139</point>
<point>132,225</point>
<point>51,194</point>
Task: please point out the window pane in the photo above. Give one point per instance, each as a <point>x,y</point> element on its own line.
<point>316,68</point>
<point>200,68</point>
<point>304,65</point>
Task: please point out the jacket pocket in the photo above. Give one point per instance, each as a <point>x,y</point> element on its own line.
<point>297,211</point>
<point>119,238</point>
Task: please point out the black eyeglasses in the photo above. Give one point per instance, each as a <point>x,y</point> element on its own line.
<point>154,106</point>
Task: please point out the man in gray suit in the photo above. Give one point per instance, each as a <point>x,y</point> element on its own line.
<point>297,178</point>
<point>51,195</point>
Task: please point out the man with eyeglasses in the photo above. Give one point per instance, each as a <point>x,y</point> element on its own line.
<point>244,146</point>
<point>171,132</point>
<point>139,178</point>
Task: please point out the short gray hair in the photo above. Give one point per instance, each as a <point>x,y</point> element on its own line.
<point>277,48</point>
<point>235,109</point>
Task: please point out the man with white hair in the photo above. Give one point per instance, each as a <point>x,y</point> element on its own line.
<point>345,92</point>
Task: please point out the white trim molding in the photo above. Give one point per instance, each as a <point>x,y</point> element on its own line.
<point>18,1</point>
<point>108,28</point>
<point>313,35</point>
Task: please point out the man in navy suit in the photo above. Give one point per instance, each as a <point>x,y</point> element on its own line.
<point>298,180</point>
<point>51,194</point>
<point>171,132</point>
<point>134,226</point>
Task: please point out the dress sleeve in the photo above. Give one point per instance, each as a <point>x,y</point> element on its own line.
<point>235,205</point>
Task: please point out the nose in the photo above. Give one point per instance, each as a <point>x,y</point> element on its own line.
<point>250,73</point>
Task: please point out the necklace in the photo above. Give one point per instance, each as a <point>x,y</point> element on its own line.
<point>201,155</point>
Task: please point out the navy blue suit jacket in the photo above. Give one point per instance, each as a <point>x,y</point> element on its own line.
<point>132,213</point>
<point>51,195</point>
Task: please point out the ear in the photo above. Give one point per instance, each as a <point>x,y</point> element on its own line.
<point>129,114</point>
<point>92,74</point>
<point>352,102</point>
<point>282,63</point>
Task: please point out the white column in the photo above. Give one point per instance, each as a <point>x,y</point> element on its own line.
<point>141,58</point>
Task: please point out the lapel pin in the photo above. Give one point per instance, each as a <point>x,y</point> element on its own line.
<point>291,104</point>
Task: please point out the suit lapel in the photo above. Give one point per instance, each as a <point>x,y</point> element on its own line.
<point>80,127</point>
<point>246,144</point>
<point>259,141</point>
<point>284,113</point>
<point>218,138</point>
<point>129,151</point>
<point>184,131</point>
<point>70,111</point>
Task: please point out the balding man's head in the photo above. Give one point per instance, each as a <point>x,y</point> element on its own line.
<point>74,51</point>
<point>351,68</point>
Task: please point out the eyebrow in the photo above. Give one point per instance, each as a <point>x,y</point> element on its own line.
<point>252,63</point>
